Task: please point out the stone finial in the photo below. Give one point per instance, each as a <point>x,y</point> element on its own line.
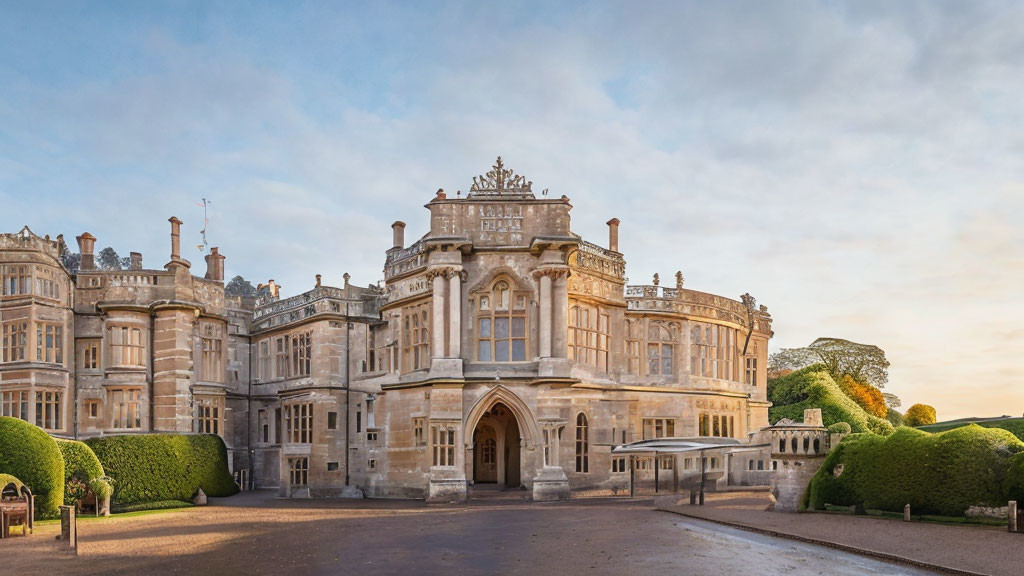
<point>440,194</point>
<point>679,279</point>
<point>318,280</point>
<point>398,234</point>
<point>613,234</point>
<point>656,279</point>
<point>346,277</point>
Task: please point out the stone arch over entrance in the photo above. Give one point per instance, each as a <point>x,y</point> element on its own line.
<point>501,433</point>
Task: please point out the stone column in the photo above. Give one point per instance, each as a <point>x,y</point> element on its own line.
<point>437,321</point>
<point>560,315</point>
<point>545,316</point>
<point>455,315</point>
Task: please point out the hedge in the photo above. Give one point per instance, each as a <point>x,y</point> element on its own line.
<point>28,453</point>
<point>943,474</point>
<point>813,387</point>
<point>156,467</point>
<point>6,479</point>
<point>160,505</point>
<point>79,460</point>
<point>1014,425</point>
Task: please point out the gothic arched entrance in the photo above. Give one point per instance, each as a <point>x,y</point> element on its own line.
<point>497,454</point>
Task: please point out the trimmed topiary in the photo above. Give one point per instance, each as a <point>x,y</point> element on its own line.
<point>6,479</point>
<point>1014,425</point>
<point>839,428</point>
<point>942,474</point>
<point>156,467</point>
<point>28,453</point>
<point>79,460</point>
<point>1014,481</point>
<point>813,387</point>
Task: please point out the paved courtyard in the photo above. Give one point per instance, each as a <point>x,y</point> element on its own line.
<point>258,534</point>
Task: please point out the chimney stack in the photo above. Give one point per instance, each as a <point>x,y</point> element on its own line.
<point>398,228</point>
<point>86,244</point>
<point>215,265</point>
<point>317,280</point>
<point>135,259</point>
<point>175,238</point>
<point>613,234</point>
<point>346,277</point>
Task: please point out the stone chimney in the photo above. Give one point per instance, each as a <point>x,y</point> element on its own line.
<point>135,261</point>
<point>812,417</point>
<point>613,234</point>
<point>86,244</point>
<point>346,277</point>
<point>398,229</point>
<point>274,289</point>
<point>175,238</point>
<point>215,265</point>
<point>318,277</point>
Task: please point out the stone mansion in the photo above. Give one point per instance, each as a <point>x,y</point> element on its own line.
<point>501,349</point>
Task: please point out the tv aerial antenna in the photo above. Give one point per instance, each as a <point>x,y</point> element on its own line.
<point>206,221</point>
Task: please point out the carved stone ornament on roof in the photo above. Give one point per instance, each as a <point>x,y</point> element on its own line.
<point>500,181</point>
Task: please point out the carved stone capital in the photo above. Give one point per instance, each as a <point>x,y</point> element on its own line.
<point>551,272</point>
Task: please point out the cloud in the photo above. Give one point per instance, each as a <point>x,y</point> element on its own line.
<point>855,166</point>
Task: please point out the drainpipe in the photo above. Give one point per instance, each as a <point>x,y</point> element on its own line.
<point>348,393</point>
<point>248,421</point>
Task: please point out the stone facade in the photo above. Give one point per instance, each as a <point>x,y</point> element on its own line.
<point>501,349</point>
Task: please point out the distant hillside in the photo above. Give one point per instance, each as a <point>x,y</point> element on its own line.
<point>1014,425</point>
<point>813,387</point>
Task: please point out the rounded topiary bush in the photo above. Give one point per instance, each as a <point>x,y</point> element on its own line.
<point>156,467</point>
<point>31,455</point>
<point>943,473</point>
<point>6,479</point>
<point>839,428</point>
<point>79,460</point>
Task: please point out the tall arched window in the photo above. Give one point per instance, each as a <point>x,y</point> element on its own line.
<point>582,444</point>
<point>501,324</point>
<point>661,349</point>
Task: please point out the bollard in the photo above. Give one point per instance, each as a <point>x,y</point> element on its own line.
<point>69,527</point>
<point>1012,516</point>
<point>906,513</point>
<point>693,498</point>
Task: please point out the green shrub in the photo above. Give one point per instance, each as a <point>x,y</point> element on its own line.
<point>102,487</point>
<point>155,467</point>
<point>1014,425</point>
<point>839,428</point>
<point>813,387</point>
<point>159,505</point>
<point>79,460</point>
<point>942,474</point>
<point>28,453</point>
<point>6,479</point>
<point>1014,482</point>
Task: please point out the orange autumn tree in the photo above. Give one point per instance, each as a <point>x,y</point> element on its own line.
<point>919,415</point>
<point>865,395</point>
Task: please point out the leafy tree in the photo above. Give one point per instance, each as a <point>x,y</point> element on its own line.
<point>919,415</point>
<point>72,262</point>
<point>891,400</point>
<point>108,259</point>
<point>863,362</point>
<point>865,395</point>
<point>894,417</point>
<point>239,286</point>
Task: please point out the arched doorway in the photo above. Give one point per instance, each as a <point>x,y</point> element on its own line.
<point>497,448</point>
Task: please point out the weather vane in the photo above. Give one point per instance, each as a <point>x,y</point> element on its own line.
<point>206,221</point>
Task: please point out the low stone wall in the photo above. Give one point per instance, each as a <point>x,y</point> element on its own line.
<point>998,512</point>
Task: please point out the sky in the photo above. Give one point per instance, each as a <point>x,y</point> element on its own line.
<point>857,167</point>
